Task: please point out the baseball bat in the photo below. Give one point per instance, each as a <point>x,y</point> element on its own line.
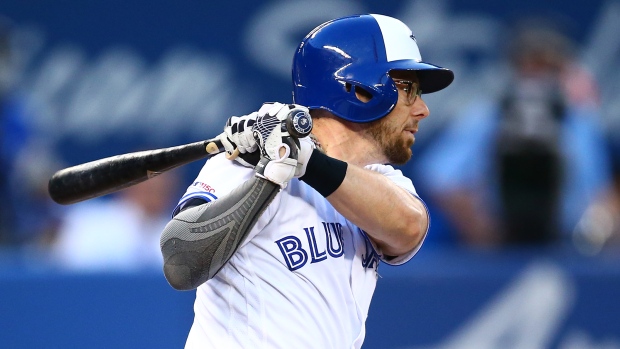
<point>104,176</point>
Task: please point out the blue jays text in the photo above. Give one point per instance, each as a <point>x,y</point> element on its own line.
<point>296,255</point>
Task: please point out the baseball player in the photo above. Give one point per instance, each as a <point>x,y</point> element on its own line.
<point>283,244</point>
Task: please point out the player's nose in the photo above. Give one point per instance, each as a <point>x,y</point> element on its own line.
<point>419,109</point>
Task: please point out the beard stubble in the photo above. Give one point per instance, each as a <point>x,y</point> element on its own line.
<point>395,147</point>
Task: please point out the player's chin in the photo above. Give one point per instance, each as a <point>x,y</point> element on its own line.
<point>399,155</point>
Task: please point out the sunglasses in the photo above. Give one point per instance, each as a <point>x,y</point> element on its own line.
<point>412,89</point>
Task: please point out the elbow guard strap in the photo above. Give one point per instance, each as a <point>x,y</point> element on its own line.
<point>200,240</point>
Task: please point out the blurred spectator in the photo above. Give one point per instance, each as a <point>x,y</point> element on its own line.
<point>614,197</point>
<point>120,233</point>
<point>599,227</point>
<point>6,211</point>
<point>27,215</point>
<point>522,167</point>
<point>36,216</point>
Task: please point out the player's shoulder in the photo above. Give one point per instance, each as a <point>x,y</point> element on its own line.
<point>395,175</point>
<point>384,169</point>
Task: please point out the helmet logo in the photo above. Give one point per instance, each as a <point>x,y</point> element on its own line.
<point>413,38</point>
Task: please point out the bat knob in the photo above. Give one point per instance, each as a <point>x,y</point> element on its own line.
<point>299,123</point>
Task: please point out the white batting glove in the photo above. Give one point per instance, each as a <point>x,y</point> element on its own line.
<point>239,130</point>
<point>306,147</point>
<point>279,150</point>
<point>279,170</point>
<point>271,108</point>
<point>238,136</point>
<point>284,167</point>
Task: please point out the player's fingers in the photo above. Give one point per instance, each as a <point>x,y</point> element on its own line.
<point>230,123</point>
<point>265,108</point>
<point>252,148</point>
<point>275,108</point>
<point>246,139</point>
<point>244,142</point>
<point>228,144</point>
<point>252,116</point>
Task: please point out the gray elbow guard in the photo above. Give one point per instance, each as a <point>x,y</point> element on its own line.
<point>200,240</point>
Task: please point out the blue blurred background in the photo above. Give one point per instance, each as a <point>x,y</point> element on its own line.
<point>82,80</point>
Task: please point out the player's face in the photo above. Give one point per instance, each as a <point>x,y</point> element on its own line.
<point>395,133</point>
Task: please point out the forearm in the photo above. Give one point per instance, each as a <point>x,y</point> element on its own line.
<point>200,240</point>
<point>394,218</point>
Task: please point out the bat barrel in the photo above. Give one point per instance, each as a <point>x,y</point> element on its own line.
<point>104,176</point>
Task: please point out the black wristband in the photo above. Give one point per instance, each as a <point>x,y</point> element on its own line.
<point>324,173</point>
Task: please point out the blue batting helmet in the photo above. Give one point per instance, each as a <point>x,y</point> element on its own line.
<point>359,52</point>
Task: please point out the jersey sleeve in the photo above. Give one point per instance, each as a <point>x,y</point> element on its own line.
<point>399,179</point>
<point>217,178</point>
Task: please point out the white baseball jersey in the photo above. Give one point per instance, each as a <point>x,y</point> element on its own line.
<point>302,278</point>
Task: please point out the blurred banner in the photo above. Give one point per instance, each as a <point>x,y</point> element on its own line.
<point>96,78</point>
<point>441,299</point>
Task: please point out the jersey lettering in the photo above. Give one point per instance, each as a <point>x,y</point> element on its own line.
<point>314,249</point>
<point>371,259</point>
<point>296,256</point>
<point>336,228</point>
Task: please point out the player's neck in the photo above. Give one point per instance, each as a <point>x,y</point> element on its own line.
<point>347,142</point>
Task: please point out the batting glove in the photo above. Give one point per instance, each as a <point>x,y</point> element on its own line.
<point>239,130</point>
<point>279,149</point>
<point>238,136</point>
<point>306,147</point>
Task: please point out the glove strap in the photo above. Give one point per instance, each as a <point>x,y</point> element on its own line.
<point>277,171</point>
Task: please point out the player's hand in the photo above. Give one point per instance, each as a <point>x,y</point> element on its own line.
<point>306,147</point>
<point>238,136</point>
<point>279,149</point>
<point>239,130</point>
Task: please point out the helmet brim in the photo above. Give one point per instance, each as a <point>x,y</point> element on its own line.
<point>432,78</point>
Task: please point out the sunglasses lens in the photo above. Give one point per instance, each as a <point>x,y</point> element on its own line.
<point>412,89</point>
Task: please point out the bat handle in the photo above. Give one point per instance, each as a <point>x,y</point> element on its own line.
<point>298,123</point>
<point>214,146</point>
<point>234,154</point>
